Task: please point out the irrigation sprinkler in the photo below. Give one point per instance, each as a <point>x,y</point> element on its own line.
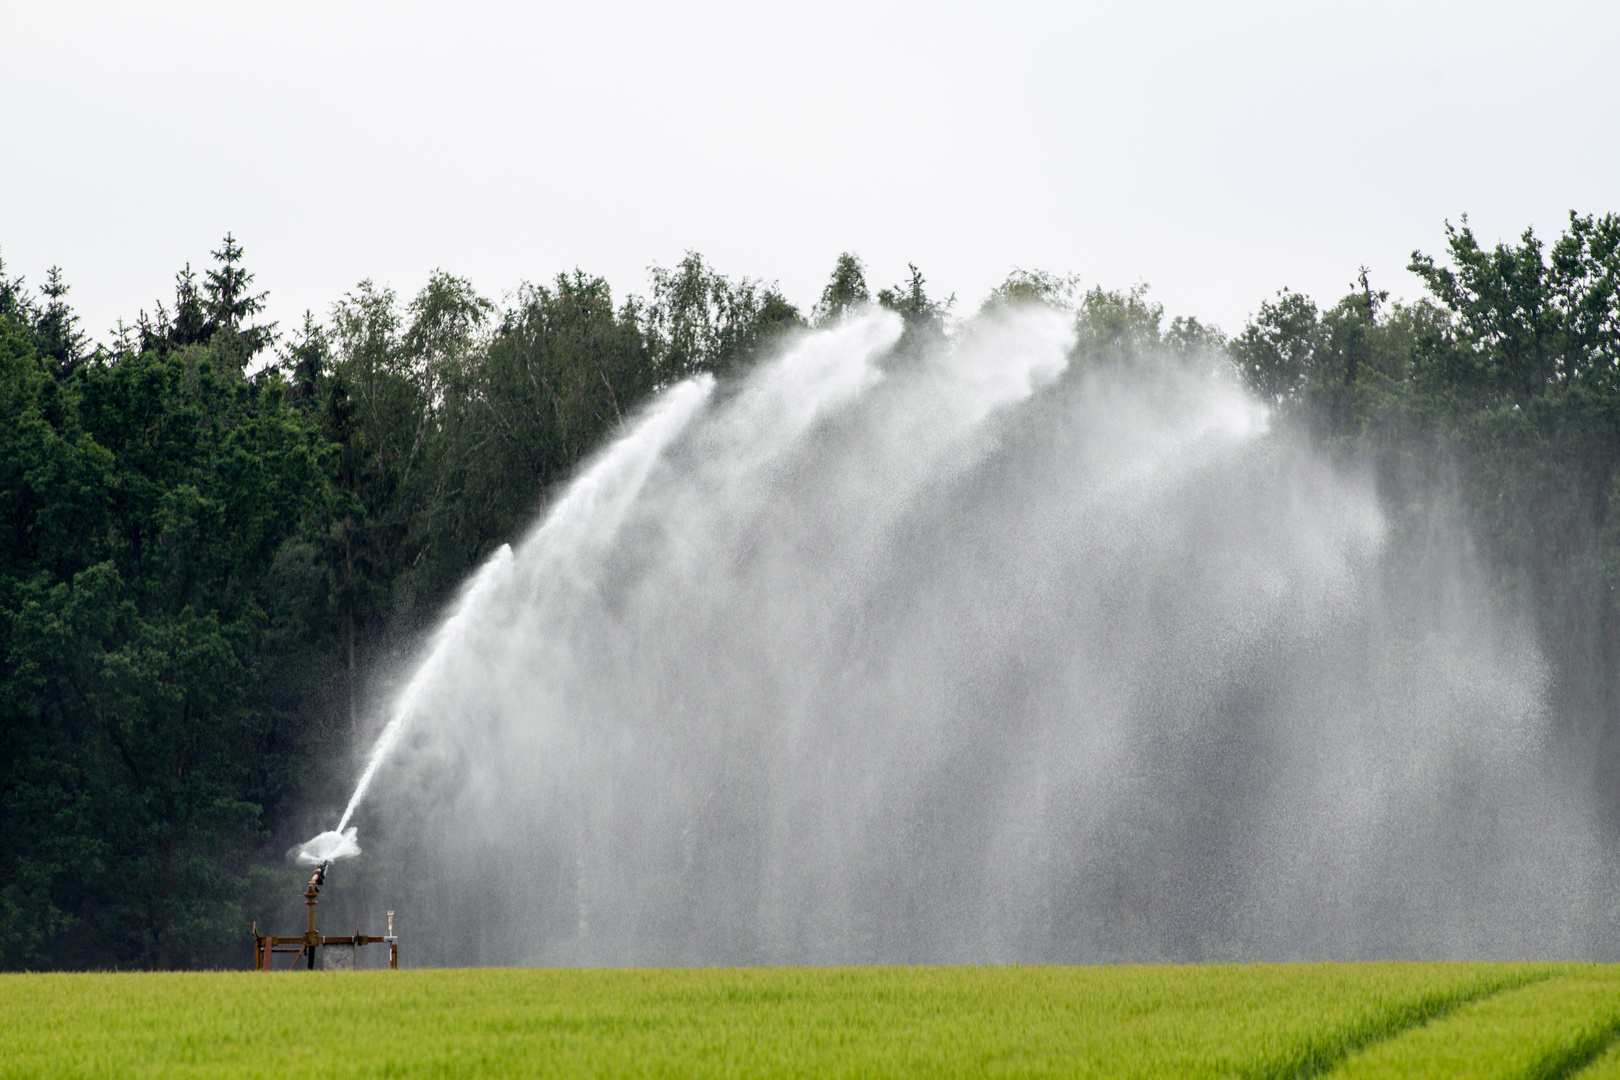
<point>303,946</point>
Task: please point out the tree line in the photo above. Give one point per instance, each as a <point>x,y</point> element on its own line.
<point>218,533</point>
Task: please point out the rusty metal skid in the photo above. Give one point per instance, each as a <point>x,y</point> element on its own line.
<point>267,946</point>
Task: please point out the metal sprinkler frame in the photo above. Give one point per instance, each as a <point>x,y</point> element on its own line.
<point>266,946</point>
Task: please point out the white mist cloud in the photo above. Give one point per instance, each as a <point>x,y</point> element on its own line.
<point>991,658</point>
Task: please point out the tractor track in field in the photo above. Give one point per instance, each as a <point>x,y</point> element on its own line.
<point>1550,1027</point>
<point>1581,1057</point>
<point>1399,1022</point>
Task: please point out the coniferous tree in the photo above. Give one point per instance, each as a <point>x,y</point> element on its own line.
<point>228,305</point>
<point>56,327</point>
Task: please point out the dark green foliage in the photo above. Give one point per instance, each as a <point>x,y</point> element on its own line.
<point>145,503</point>
<point>1275,351</point>
<point>698,320</point>
<point>1117,326</point>
<point>1110,326</point>
<point>925,317</point>
<point>214,315</point>
<point>229,305</point>
<point>56,330</point>
<point>305,362</point>
<point>845,291</point>
<point>1032,287</point>
<point>1187,338</point>
<point>53,326</point>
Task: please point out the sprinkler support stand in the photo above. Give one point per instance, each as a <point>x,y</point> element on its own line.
<point>266,946</point>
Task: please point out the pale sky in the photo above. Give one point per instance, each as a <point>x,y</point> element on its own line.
<point>1217,152</point>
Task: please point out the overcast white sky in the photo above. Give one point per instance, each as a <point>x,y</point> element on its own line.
<point>1216,151</point>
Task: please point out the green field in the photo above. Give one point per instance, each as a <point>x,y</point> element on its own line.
<point>1253,1021</point>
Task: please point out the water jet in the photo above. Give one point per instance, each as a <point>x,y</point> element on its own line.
<point>1000,653</point>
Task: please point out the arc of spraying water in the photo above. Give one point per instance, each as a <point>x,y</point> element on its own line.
<point>590,512</point>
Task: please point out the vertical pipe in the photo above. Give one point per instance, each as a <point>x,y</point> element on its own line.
<point>310,937</point>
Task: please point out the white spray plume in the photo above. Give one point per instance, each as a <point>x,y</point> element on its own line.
<point>985,654</point>
<point>328,846</point>
<point>587,516</point>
